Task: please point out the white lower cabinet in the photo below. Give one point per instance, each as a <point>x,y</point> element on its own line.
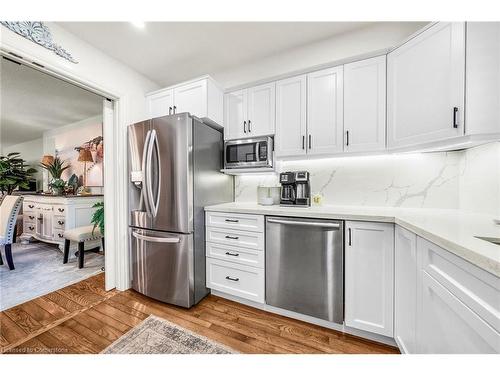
<point>446,325</point>
<point>405,288</point>
<point>369,276</point>
<point>443,304</point>
<point>235,254</point>
<point>236,279</point>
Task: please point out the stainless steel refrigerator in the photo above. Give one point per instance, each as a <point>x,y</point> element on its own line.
<point>174,171</point>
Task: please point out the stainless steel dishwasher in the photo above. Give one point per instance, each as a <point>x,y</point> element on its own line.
<point>304,266</point>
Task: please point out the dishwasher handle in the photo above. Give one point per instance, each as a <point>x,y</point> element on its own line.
<point>306,223</point>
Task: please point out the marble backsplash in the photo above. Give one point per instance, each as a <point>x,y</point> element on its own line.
<point>468,179</point>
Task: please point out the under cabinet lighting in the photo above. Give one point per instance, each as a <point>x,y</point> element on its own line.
<point>139,24</point>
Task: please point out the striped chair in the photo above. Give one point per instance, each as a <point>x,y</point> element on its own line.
<point>9,208</point>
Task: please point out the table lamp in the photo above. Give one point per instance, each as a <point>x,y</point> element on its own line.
<point>85,156</point>
<point>47,160</point>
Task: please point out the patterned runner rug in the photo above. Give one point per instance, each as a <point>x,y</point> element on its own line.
<point>159,336</point>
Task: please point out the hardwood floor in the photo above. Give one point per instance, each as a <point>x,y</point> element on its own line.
<point>84,318</point>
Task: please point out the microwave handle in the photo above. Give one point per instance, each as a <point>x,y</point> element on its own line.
<point>257,151</point>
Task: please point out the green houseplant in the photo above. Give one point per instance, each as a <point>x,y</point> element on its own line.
<point>14,173</point>
<point>56,168</point>
<point>98,217</point>
<point>57,185</point>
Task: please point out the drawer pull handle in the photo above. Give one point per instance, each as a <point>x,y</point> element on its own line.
<point>60,235</point>
<point>232,278</point>
<point>232,254</point>
<point>60,209</point>
<point>60,222</point>
<point>232,221</point>
<point>31,227</point>
<point>232,237</point>
<point>31,217</point>
<point>30,206</point>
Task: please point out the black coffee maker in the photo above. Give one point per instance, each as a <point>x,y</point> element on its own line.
<point>295,189</point>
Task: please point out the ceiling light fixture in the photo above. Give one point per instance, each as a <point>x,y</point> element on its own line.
<point>139,24</point>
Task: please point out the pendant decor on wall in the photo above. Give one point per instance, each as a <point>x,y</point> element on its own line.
<point>40,34</point>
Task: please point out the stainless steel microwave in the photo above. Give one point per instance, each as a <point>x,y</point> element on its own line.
<point>249,153</point>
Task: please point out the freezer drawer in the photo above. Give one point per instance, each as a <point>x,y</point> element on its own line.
<point>162,266</point>
<point>304,266</point>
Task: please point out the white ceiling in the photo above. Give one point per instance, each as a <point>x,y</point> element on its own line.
<point>33,102</point>
<point>171,52</point>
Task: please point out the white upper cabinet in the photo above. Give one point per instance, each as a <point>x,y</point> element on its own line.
<point>261,109</point>
<point>161,103</point>
<point>483,78</point>
<point>425,87</point>
<point>405,289</point>
<point>325,111</point>
<point>250,112</point>
<point>291,115</point>
<point>235,114</point>
<point>364,105</point>
<point>201,98</point>
<point>369,276</point>
<point>191,98</point>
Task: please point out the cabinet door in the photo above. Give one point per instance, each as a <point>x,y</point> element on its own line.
<point>483,78</point>
<point>364,105</point>
<point>161,103</point>
<point>405,289</point>
<point>325,111</point>
<point>261,109</point>
<point>291,115</point>
<point>446,325</point>
<point>369,276</point>
<point>425,87</point>
<point>235,114</point>
<point>191,98</point>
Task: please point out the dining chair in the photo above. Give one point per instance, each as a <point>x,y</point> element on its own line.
<point>9,208</point>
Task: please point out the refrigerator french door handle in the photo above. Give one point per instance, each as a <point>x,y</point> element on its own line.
<point>154,203</point>
<point>145,168</point>
<point>156,239</point>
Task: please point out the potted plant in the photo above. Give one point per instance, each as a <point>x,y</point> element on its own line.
<point>55,169</point>
<point>14,173</point>
<point>98,217</point>
<point>57,185</point>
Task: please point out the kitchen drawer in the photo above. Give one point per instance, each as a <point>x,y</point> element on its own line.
<point>29,217</point>
<point>59,222</point>
<point>236,279</point>
<point>254,223</point>
<point>58,235</point>
<point>59,210</point>
<point>239,238</point>
<point>28,207</point>
<point>241,255</point>
<point>447,326</point>
<point>476,288</point>
<point>29,228</point>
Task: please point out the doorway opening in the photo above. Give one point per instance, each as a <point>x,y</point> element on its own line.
<point>57,129</point>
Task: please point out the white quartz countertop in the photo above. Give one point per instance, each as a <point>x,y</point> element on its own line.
<point>453,230</point>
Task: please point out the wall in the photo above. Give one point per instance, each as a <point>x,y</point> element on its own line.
<point>371,38</point>
<point>63,140</point>
<point>479,183</point>
<point>468,179</point>
<point>32,152</point>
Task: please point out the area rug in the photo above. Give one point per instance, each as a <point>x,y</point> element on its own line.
<point>40,270</point>
<point>159,336</point>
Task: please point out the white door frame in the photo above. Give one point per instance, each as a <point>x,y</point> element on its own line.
<point>115,165</point>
